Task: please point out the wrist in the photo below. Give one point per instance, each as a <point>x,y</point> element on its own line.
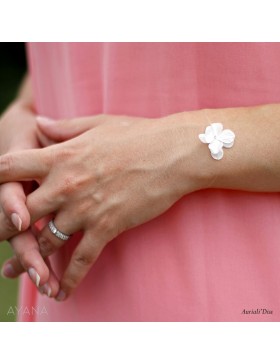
<point>17,128</point>
<point>195,167</point>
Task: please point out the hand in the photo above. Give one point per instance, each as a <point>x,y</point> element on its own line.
<point>122,172</point>
<point>18,131</point>
<point>12,196</point>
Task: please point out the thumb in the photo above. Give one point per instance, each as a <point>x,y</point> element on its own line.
<point>65,129</point>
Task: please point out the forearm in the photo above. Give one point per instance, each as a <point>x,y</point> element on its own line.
<point>17,123</point>
<point>252,164</point>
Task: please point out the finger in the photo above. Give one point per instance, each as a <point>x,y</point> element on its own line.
<point>61,130</point>
<point>26,249</point>
<point>12,268</point>
<point>23,166</point>
<point>48,241</point>
<point>13,203</point>
<point>51,287</point>
<point>43,139</point>
<point>7,228</point>
<point>84,256</point>
<point>42,202</point>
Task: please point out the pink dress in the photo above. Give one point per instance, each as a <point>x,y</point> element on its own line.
<point>186,265</point>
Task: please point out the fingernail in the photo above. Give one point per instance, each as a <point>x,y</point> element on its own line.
<point>34,276</point>
<point>44,120</point>
<point>16,220</point>
<point>61,296</point>
<point>47,289</point>
<point>8,271</point>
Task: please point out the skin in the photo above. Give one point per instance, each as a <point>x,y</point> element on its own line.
<point>96,200</point>
<point>116,172</point>
<point>13,195</point>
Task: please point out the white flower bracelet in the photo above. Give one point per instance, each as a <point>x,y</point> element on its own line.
<point>217,138</point>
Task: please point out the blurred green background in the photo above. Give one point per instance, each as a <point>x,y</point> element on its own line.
<point>12,69</point>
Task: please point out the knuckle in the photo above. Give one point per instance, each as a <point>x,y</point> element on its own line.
<point>64,154</point>
<point>106,224</point>
<point>6,164</point>
<point>54,155</point>
<point>46,246</point>
<point>68,186</point>
<point>84,259</point>
<point>9,226</point>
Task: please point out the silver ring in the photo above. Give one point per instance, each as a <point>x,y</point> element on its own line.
<point>59,234</point>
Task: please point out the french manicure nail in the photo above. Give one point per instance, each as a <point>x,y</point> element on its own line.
<point>8,271</point>
<point>16,220</point>
<point>34,276</point>
<point>44,120</point>
<point>61,296</point>
<point>47,289</point>
<point>49,292</point>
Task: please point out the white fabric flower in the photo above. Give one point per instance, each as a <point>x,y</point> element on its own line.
<point>217,138</point>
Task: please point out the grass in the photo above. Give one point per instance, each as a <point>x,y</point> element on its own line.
<point>8,288</point>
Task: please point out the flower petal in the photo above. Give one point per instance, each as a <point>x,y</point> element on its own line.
<point>227,138</point>
<point>209,134</point>
<point>219,155</point>
<point>228,145</point>
<point>202,138</point>
<point>215,146</point>
<point>217,128</point>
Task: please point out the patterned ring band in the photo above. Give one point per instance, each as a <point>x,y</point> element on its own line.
<point>59,234</point>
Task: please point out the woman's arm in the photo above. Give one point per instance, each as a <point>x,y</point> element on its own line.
<point>252,164</point>
<point>119,172</point>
